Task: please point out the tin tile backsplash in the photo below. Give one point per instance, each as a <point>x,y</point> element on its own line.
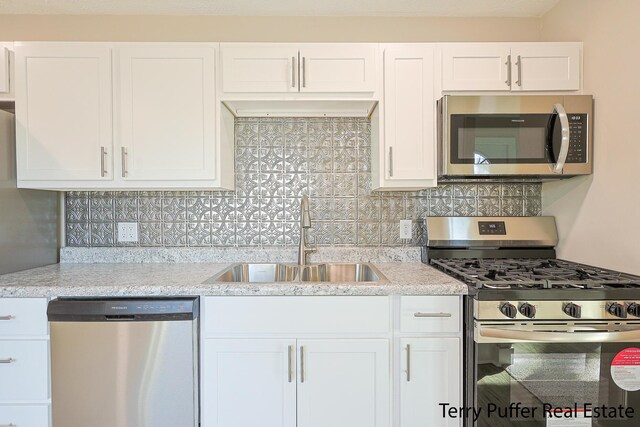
<point>277,161</point>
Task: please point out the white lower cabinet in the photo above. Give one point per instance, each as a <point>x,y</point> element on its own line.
<point>269,362</point>
<point>24,362</point>
<point>24,415</point>
<point>343,383</point>
<point>430,374</point>
<point>249,382</point>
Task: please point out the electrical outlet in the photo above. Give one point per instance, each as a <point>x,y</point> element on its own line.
<point>127,232</point>
<point>405,228</point>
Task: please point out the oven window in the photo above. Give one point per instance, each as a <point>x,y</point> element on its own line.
<point>560,375</point>
<point>499,139</point>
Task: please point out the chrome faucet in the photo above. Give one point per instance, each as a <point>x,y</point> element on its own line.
<point>305,224</point>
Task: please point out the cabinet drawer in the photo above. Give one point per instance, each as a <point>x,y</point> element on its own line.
<point>296,315</point>
<point>437,314</point>
<point>23,370</point>
<point>24,415</point>
<point>23,316</point>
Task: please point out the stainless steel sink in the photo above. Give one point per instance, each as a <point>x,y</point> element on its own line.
<point>257,273</point>
<point>340,273</point>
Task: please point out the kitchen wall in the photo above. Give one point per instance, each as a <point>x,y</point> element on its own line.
<point>598,216</point>
<point>278,160</point>
<point>264,29</point>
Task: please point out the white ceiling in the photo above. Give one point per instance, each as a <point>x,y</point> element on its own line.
<point>484,8</point>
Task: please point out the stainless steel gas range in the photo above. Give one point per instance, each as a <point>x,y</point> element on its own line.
<point>549,342</point>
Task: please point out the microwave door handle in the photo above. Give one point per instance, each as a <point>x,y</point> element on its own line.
<point>564,146</point>
<point>555,336</point>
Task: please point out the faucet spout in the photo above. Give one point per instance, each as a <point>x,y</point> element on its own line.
<point>305,224</point>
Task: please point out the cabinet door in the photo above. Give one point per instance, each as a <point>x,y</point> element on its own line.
<point>338,67</point>
<point>343,383</point>
<point>259,68</point>
<point>409,113</point>
<point>166,113</point>
<point>475,67</point>
<point>546,66</point>
<point>4,69</point>
<point>430,375</point>
<point>63,112</point>
<point>249,383</point>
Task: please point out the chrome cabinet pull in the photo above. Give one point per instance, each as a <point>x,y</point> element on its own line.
<point>304,73</point>
<point>408,362</point>
<point>519,64</point>
<point>9,317</point>
<point>293,71</point>
<point>301,364</point>
<point>123,152</point>
<point>290,366</point>
<point>566,137</point>
<point>9,360</point>
<point>508,64</point>
<point>390,162</point>
<point>420,314</point>
<point>103,162</point>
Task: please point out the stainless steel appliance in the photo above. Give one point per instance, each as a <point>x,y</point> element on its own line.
<point>124,362</point>
<point>540,331</point>
<point>28,218</point>
<point>506,136</point>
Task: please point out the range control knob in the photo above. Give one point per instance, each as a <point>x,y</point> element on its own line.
<point>616,309</point>
<point>634,309</point>
<point>527,310</point>
<point>573,310</point>
<point>508,310</point>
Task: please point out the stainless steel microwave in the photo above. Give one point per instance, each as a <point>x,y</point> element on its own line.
<point>548,136</point>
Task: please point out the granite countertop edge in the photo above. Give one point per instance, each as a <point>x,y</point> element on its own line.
<point>403,278</point>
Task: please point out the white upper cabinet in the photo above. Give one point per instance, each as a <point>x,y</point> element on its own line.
<point>261,68</point>
<point>63,112</point>
<point>508,67</point>
<point>166,113</point>
<point>338,67</point>
<point>404,157</point>
<point>477,66</point>
<point>293,68</point>
<point>547,66</point>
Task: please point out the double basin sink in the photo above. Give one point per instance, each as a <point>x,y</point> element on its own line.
<point>270,273</point>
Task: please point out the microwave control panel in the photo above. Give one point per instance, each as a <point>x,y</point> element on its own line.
<point>577,138</point>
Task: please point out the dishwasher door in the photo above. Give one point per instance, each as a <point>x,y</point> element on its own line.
<point>132,370</point>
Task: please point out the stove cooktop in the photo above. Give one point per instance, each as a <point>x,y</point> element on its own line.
<point>533,274</point>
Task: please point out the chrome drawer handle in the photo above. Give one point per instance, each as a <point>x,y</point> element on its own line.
<point>9,317</point>
<point>419,314</point>
<point>9,360</point>
<point>9,425</point>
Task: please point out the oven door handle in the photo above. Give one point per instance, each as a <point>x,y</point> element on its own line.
<point>566,133</point>
<point>632,335</point>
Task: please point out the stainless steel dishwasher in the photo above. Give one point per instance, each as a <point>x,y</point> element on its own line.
<point>124,362</point>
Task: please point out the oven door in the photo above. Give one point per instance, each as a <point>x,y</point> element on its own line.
<point>574,367</point>
<point>494,136</point>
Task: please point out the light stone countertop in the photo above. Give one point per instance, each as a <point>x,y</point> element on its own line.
<point>404,278</point>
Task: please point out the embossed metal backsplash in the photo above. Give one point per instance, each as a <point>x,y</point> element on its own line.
<point>278,160</point>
